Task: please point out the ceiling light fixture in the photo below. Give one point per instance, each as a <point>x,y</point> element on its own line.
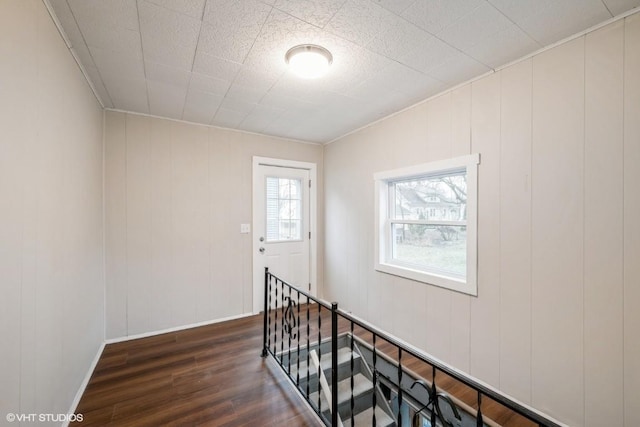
<point>308,61</point>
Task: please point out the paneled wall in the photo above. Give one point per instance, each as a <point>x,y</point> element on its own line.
<point>51,236</point>
<point>555,323</point>
<point>176,195</point>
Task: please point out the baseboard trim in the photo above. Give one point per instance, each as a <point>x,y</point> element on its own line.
<point>175,329</point>
<point>96,359</point>
<point>85,383</point>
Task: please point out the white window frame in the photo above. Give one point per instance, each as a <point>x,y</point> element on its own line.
<point>383,223</point>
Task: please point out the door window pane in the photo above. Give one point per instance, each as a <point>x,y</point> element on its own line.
<point>284,209</point>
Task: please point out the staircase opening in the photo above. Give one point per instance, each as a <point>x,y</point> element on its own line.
<point>353,374</point>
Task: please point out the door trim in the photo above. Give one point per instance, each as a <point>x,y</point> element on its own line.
<point>313,225</point>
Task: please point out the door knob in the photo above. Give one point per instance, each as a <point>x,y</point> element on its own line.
<point>261,250</point>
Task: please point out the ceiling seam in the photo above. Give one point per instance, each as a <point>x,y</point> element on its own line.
<point>502,67</point>
<point>243,63</point>
<point>186,15</point>
<point>515,23</point>
<point>69,45</point>
<point>254,83</point>
<point>154,116</point>
<point>193,61</point>
<point>84,40</point>
<point>144,65</point>
<point>335,13</point>
<point>607,7</point>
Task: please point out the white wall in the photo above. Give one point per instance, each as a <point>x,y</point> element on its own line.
<point>176,194</point>
<point>555,323</point>
<point>51,244</point>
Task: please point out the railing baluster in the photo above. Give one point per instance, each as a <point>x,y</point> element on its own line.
<point>400,386</point>
<point>298,342</point>
<point>275,322</point>
<point>265,314</point>
<point>334,364</point>
<point>353,402</point>
<point>281,321</point>
<point>277,300</point>
<point>434,395</point>
<point>289,332</point>
<point>319,355</point>
<point>269,321</point>
<point>308,347</point>
<point>375,382</point>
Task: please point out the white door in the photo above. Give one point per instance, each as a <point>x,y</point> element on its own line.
<point>282,219</point>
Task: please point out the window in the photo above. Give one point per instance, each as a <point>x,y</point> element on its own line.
<point>426,223</point>
<point>284,209</point>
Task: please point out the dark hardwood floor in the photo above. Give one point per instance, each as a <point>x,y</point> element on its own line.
<point>214,376</point>
<point>207,376</point>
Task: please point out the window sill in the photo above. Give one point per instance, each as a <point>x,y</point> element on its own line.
<point>458,285</point>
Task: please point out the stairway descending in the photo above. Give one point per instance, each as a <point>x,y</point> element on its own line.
<point>303,370</point>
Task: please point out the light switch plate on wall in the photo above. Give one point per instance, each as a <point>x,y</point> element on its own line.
<point>245,228</point>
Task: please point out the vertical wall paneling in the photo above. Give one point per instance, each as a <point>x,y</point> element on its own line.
<point>51,240</point>
<point>17,141</point>
<point>190,216</point>
<point>219,196</point>
<point>460,303</point>
<point>515,231</point>
<point>138,196</point>
<point>603,226</point>
<point>557,231</point>
<point>549,307</point>
<point>116,224</point>
<point>439,132</point>
<point>162,263</point>
<point>225,259</point>
<point>438,140</point>
<point>631,224</point>
<point>28,20</point>
<point>485,309</point>
<point>51,162</point>
<point>178,194</point>
<point>439,314</point>
<point>409,312</point>
<point>335,278</point>
<point>352,231</point>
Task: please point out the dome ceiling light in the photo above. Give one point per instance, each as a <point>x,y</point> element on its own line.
<point>308,61</point>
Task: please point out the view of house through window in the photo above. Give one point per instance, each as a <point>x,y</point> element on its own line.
<point>426,223</point>
<point>284,206</point>
<point>429,222</point>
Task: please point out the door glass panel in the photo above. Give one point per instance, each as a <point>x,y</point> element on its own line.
<point>284,209</point>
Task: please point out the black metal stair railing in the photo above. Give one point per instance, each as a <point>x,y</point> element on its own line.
<point>290,330</point>
<point>373,384</point>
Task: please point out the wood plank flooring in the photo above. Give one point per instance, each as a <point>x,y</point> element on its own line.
<point>214,376</point>
<point>207,376</point>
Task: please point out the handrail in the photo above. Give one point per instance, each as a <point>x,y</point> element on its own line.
<point>478,386</point>
<point>458,375</point>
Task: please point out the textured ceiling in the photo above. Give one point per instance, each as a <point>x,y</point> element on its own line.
<point>221,62</point>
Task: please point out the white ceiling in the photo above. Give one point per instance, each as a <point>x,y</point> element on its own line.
<point>221,62</point>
